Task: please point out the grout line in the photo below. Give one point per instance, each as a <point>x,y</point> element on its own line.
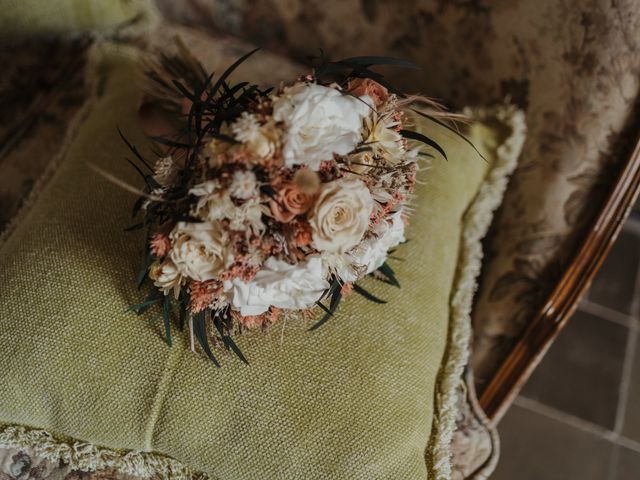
<point>625,381</point>
<point>567,418</point>
<point>576,422</point>
<point>613,462</point>
<point>632,224</point>
<point>629,357</point>
<point>629,444</point>
<point>605,313</point>
<point>635,301</point>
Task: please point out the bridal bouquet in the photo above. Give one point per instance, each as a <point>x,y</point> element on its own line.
<point>271,203</point>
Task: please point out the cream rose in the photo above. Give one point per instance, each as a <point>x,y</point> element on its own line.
<point>199,250</point>
<point>341,214</point>
<point>279,284</point>
<point>165,276</point>
<point>320,121</point>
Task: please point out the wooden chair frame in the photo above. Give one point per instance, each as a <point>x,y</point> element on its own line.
<point>553,316</point>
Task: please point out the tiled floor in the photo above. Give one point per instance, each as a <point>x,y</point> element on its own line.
<point>578,417</point>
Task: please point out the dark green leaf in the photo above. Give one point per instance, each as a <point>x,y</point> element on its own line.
<point>448,127</point>
<point>230,70</point>
<point>388,272</point>
<point>183,90</point>
<point>322,306</point>
<point>231,92</point>
<point>335,291</point>
<point>367,61</point>
<point>200,332</point>
<point>322,321</point>
<point>142,174</point>
<point>170,143</point>
<point>140,308</point>
<point>367,295</point>
<point>426,140</point>
<point>134,150</point>
<point>135,226</point>
<point>166,313</point>
<point>228,342</point>
<point>137,206</point>
<point>335,298</point>
<point>145,269</point>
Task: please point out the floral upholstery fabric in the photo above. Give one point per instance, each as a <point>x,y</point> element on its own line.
<point>42,88</point>
<point>573,65</point>
<point>26,464</point>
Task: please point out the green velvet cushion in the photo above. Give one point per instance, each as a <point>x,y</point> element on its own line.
<point>354,399</point>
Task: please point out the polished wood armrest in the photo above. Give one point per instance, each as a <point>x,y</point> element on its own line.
<point>553,316</point>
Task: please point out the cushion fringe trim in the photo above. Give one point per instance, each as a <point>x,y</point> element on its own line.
<point>476,225</point>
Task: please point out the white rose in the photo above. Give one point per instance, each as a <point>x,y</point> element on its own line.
<point>320,121</point>
<point>165,276</point>
<point>373,252</point>
<point>341,214</point>
<point>279,284</point>
<point>199,250</point>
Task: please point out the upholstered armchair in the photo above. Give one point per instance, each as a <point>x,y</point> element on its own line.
<point>574,67</point>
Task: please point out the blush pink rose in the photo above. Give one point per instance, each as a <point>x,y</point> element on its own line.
<point>366,86</point>
<point>290,202</point>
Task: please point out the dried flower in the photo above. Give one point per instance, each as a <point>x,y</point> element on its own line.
<point>160,244</point>
<point>165,171</point>
<point>303,234</point>
<point>307,181</point>
<point>244,185</point>
<point>346,289</point>
<point>203,294</point>
<point>166,276</point>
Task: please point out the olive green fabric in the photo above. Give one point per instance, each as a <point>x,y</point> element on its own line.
<point>353,399</point>
<point>59,16</point>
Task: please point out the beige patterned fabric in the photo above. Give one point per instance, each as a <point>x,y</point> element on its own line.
<point>42,88</point>
<point>574,65</point>
<point>25,464</point>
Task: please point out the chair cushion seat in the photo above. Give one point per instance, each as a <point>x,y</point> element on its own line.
<point>362,397</point>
